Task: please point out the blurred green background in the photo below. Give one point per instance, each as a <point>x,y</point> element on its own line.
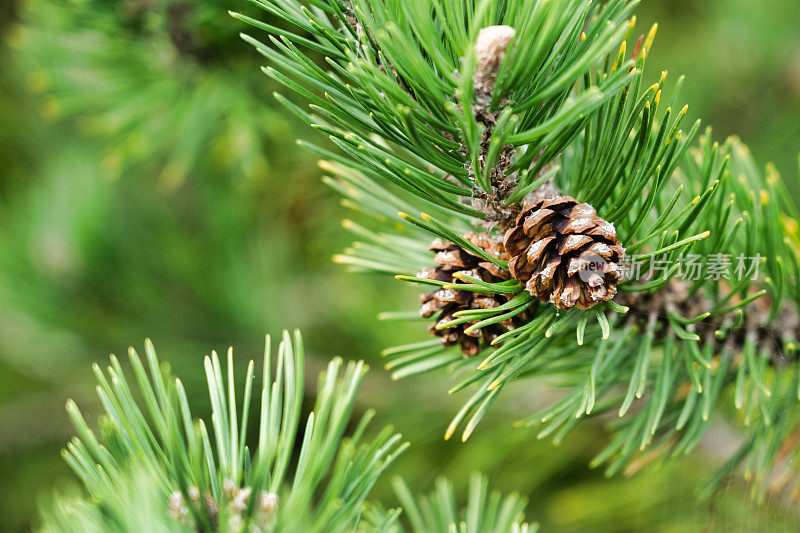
<point>150,187</point>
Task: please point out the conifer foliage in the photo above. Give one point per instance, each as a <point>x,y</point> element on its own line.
<point>438,512</point>
<point>152,467</point>
<point>210,480</point>
<point>649,273</point>
<point>157,77</point>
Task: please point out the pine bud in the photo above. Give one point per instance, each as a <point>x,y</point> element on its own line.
<point>267,507</point>
<point>211,507</point>
<point>177,509</point>
<point>229,489</point>
<point>240,501</point>
<point>490,50</point>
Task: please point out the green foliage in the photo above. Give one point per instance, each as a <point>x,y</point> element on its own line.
<point>100,244</point>
<point>397,77</point>
<point>737,43</point>
<point>420,134</point>
<point>73,513</point>
<point>225,484</point>
<point>104,238</point>
<point>216,254</point>
<point>438,512</point>
<point>153,467</point>
<point>157,79</point>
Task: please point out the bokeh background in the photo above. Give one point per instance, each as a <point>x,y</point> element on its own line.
<point>151,187</point>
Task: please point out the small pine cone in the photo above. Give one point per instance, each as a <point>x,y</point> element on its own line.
<point>771,336</point>
<point>443,303</point>
<point>565,253</point>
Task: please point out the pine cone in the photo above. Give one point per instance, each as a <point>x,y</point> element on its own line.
<point>565,253</point>
<point>443,303</point>
<point>770,336</point>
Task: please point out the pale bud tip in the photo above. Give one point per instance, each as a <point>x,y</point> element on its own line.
<point>490,51</point>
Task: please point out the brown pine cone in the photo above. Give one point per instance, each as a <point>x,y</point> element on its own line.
<point>770,336</point>
<point>443,303</point>
<point>565,253</point>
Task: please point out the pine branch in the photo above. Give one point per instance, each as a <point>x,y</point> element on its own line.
<point>152,467</point>
<point>438,512</point>
<point>520,138</point>
<point>208,477</point>
<point>395,100</point>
